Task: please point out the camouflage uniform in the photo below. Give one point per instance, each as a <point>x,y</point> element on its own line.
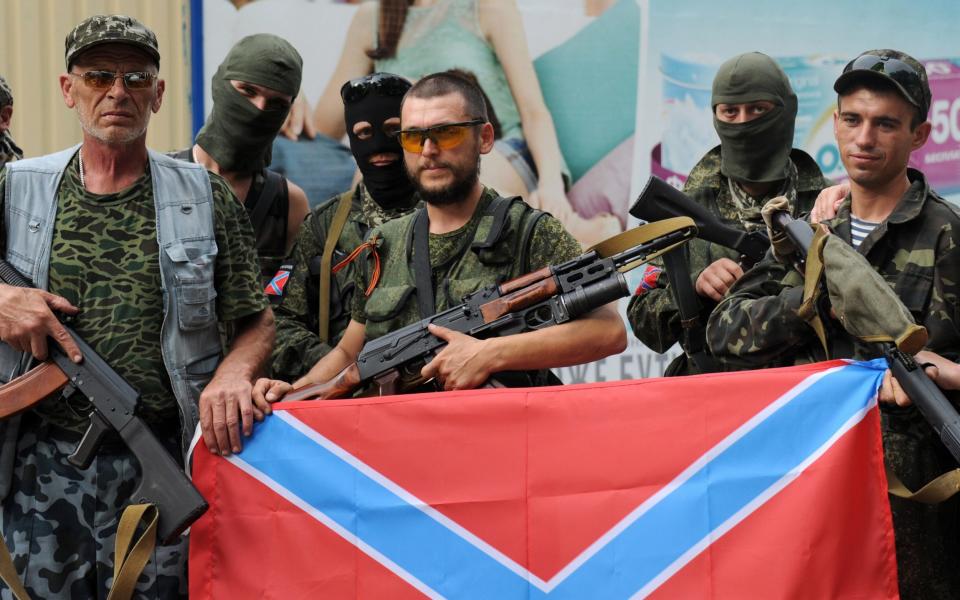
<point>298,345</point>
<point>9,151</point>
<point>917,251</point>
<point>106,262</point>
<point>457,268</point>
<point>652,313</point>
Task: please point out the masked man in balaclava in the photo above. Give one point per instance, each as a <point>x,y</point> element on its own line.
<point>252,92</point>
<point>315,306</point>
<point>9,151</point>
<point>754,110</point>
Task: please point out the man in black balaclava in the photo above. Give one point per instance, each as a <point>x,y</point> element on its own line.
<point>252,92</point>
<point>315,306</point>
<point>754,110</point>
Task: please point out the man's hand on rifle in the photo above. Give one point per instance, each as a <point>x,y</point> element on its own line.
<point>714,281</point>
<point>943,371</point>
<point>464,363</point>
<point>27,319</point>
<point>828,202</point>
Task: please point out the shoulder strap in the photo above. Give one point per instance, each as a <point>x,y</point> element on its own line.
<point>529,225</point>
<point>272,184</point>
<point>497,208</point>
<point>333,235</point>
<point>422,272</point>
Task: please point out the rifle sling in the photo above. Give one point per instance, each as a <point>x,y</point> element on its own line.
<point>641,235</point>
<point>128,563</point>
<point>939,490</point>
<point>333,236</point>
<point>422,271</point>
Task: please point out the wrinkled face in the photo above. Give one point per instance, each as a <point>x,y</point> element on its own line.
<point>262,97</point>
<point>364,130</point>
<point>117,114</point>
<point>874,136</point>
<point>743,112</point>
<point>437,170</point>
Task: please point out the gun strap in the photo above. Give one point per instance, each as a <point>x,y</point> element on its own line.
<point>939,490</point>
<point>641,235</point>
<point>812,287</point>
<point>422,272</point>
<point>128,561</point>
<point>8,573</point>
<point>333,236</point>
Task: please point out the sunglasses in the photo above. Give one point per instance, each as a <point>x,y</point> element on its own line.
<point>895,69</point>
<point>102,80</point>
<point>384,84</point>
<point>445,136</point>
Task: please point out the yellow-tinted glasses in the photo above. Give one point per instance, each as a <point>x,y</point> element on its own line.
<point>101,80</point>
<point>445,135</point>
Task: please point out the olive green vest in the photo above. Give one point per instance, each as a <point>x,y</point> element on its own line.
<point>497,251</point>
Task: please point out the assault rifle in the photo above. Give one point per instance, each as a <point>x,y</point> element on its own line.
<point>162,482</point>
<point>553,295</point>
<point>926,396</point>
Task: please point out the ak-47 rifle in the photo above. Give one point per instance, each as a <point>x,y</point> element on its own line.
<point>926,396</point>
<point>162,482</point>
<point>550,296</point>
<point>660,200</point>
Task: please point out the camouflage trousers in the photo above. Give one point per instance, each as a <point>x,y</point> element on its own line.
<point>60,522</point>
<point>927,536</point>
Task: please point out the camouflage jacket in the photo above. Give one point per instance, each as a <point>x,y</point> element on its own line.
<point>298,346</point>
<point>652,313</point>
<point>917,251</point>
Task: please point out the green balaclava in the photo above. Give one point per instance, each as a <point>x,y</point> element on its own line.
<point>238,135</point>
<point>756,151</point>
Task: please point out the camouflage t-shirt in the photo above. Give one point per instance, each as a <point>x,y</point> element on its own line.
<point>106,263</point>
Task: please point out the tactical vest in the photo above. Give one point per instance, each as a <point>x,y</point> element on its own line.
<point>189,337</point>
<point>497,252</point>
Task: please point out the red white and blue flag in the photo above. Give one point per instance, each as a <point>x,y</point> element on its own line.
<point>763,484</point>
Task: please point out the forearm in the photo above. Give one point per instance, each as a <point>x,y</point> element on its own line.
<point>296,349</point>
<point>589,338</point>
<point>541,137</point>
<point>250,349</point>
<point>326,368</point>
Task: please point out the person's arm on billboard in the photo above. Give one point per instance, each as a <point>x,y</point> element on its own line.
<point>501,22</point>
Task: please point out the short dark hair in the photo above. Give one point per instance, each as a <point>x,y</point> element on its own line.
<point>441,84</point>
<point>883,87</point>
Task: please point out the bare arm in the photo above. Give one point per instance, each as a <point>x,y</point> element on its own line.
<point>501,22</point>
<point>297,211</point>
<point>467,363</point>
<point>226,402</point>
<point>354,62</point>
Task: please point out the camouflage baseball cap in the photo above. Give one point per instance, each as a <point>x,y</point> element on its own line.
<point>106,29</point>
<point>6,94</point>
<point>899,68</point>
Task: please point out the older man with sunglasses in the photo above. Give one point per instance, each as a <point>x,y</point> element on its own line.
<point>144,254</point>
<point>315,303</point>
<point>911,237</point>
<point>464,238</point>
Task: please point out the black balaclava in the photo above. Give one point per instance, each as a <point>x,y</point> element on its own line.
<point>389,186</point>
<point>756,151</point>
<point>238,135</point>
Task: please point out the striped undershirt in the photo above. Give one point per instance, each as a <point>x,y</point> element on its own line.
<point>860,229</point>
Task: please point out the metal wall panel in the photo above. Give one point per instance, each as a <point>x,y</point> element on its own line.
<point>31,59</point>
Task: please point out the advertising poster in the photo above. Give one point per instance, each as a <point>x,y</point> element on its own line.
<point>627,83</point>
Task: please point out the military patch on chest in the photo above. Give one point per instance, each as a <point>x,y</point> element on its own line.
<point>649,281</point>
<point>279,281</point>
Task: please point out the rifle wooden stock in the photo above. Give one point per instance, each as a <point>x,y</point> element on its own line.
<point>345,382</point>
<point>519,299</point>
<point>30,388</point>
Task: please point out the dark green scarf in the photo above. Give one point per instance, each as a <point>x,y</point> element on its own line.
<point>756,151</point>
<point>238,135</point>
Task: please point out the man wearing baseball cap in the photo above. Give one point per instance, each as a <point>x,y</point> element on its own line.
<point>146,255</point>
<point>911,237</point>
